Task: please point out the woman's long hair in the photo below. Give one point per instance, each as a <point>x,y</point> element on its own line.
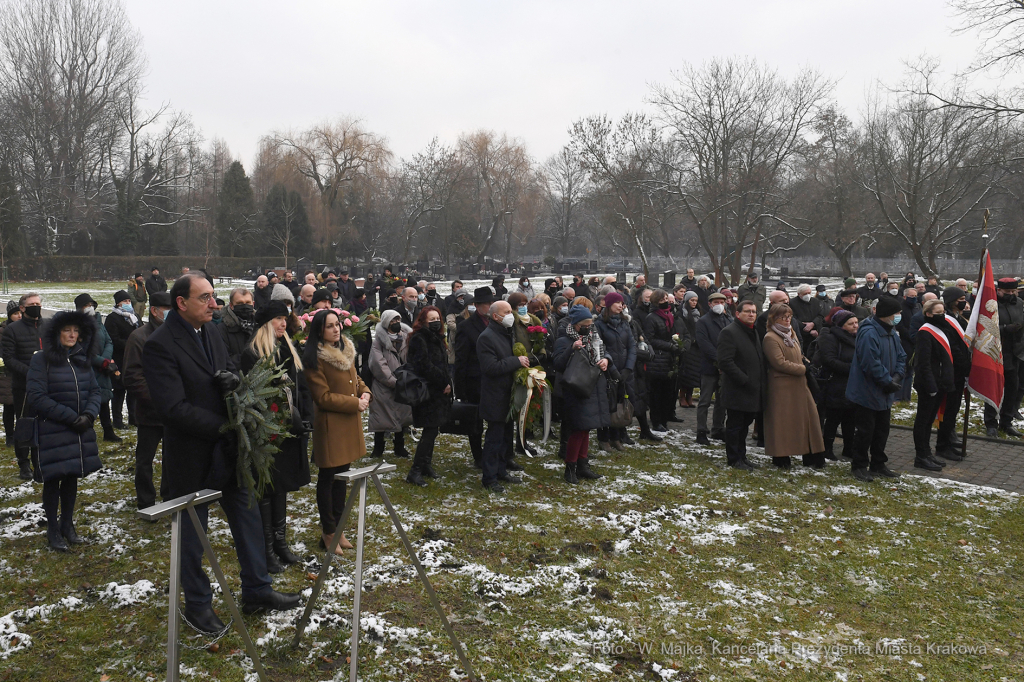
<point>265,344</point>
<point>421,322</point>
<point>316,337</point>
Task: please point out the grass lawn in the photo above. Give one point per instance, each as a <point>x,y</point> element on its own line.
<point>672,567</point>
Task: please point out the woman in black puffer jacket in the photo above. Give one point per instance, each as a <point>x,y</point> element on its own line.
<point>658,329</point>
<point>428,358</point>
<point>689,364</point>
<point>836,345</point>
<point>620,346</point>
<point>64,397</point>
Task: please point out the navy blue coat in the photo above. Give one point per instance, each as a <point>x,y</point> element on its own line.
<point>61,386</point>
<point>428,357</point>
<point>497,371</point>
<point>619,343</point>
<point>877,358</point>
<point>582,414</point>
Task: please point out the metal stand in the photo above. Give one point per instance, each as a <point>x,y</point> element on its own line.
<point>362,475</point>
<point>174,508</point>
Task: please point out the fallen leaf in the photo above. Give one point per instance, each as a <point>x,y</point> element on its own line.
<point>104,678</point>
<point>962,541</point>
<point>311,576</point>
<point>213,648</point>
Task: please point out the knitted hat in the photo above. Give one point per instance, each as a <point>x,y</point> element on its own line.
<point>886,306</point>
<point>688,295</point>
<point>558,302</point>
<point>321,295</point>
<point>849,282</point>
<point>282,293</point>
<point>122,295</point>
<point>613,297</point>
<point>13,306</point>
<point>951,295</point>
<point>578,313</point>
<point>270,311</point>
<point>840,317</point>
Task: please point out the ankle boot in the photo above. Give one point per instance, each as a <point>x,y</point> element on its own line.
<point>266,515</point>
<point>24,465</point>
<point>570,473</point>
<point>378,444</point>
<point>67,530</point>
<point>645,429</point>
<point>111,437</point>
<point>416,477</point>
<point>279,514</point>
<point>583,470</point>
<point>54,539</point>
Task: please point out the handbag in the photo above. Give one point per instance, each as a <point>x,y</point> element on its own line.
<point>581,375</point>
<point>644,352</point>
<point>25,430</point>
<point>622,416</point>
<point>463,419</point>
<point>410,388</point>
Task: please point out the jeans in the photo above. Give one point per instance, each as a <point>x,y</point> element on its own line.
<point>145,450</point>
<point>927,409</point>
<point>330,497</point>
<point>736,435</point>
<point>709,388</point>
<point>872,434</point>
<point>496,443</point>
<point>246,531</point>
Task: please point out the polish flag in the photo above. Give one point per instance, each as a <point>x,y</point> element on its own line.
<point>986,379</point>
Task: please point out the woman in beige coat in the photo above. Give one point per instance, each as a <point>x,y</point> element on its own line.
<point>791,425</point>
<point>340,397</point>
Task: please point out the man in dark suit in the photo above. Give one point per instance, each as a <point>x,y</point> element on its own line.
<point>187,370</point>
<point>741,361</point>
<point>497,369</point>
<point>467,367</point>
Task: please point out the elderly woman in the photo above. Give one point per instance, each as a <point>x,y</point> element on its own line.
<point>582,414</point>
<point>340,397</point>
<point>387,354</point>
<point>63,396</point>
<point>791,424</point>
<point>291,466</point>
<point>836,345</point>
<point>428,358</point>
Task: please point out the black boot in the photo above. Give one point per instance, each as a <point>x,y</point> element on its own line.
<point>400,450</point>
<point>67,530</point>
<point>570,473</point>
<point>583,470</point>
<point>279,514</point>
<point>55,539</point>
<point>24,463</point>
<point>645,429</point>
<point>378,444</point>
<point>266,515</point>
<point>416,477</point>
<point>111,437</point>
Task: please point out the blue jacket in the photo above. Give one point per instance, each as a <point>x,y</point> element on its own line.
<point>61,386</point>
<point>878,357</point>
<point>619,343</point>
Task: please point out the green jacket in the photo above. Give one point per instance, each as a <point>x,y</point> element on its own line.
<point>138,296</point>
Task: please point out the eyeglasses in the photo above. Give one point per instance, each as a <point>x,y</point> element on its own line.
<point>204,298</point>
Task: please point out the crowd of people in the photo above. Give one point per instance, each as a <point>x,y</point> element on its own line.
<point>798,370</point>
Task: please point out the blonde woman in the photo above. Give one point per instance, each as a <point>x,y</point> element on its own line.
<point>291,466</point>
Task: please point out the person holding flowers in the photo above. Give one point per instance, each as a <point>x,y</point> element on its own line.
<point>529,330</point>
<point>291,466</point>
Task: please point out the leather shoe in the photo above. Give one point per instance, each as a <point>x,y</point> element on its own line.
<point>948,455</point>
<point>742,465</point>
<point>495,488</point>
<point>604,446</point>
<point>1012,432</point>
<point>718,435</point>
<point>271,600</point>
<point>926,463</point>
<point>204,620</point>
<point>416,478</point>
<point>936,460</point>
<point>508,478</point>
<point>992,432</point>
<point>885,472</point>
<point>751,464</point>
<point>702,438</point>
<point>863,475</point>
<point>428,471</point>
<point>626,440</point>
<point>651,437</point>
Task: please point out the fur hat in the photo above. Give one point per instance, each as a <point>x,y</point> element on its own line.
<point>1008,283</point>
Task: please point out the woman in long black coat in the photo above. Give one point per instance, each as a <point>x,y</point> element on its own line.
<point>621,348</point>
<point>689,364</point>
<point>658,329</point>
<point>291,465</point>
<point>64,397</point>
<point>934,363</point>
<point>836,344</point>
<point>428,358</point>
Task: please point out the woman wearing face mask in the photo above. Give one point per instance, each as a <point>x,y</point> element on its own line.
<point>933,380</point>
<point>120,324</point>
<point>642,307</point>
<point>388,353</point>
<point>6,384</point>
<point>563,324</point>
<point>525,288</point>
<point>834,356</point>
<point>582,414</point>
<point>291,465</point>
<point>658,330</point>
<point>689,363</point>
<point>620,346</point>
<point>559,309</point>
<point>428,358</point>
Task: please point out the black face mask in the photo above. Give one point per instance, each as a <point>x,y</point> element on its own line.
<point>664,305</point>
<point>432,295</point>
<point>395,327</point>
<point>393,301</point>
<point>33,312</point>
<point>244,311</point>
<point>585,331</point>
<point>961,304</point>
<point>434,326</point>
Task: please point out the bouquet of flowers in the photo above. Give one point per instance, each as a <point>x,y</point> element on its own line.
<point>537,334</point>
<point>259,416</point>
<point>531,396</point>
<point>355,327</point>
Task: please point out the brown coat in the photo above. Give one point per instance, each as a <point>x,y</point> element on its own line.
<point>791,425</point>
<point>338,425</point>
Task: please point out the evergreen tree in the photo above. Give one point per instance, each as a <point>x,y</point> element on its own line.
<point>12,240</point>
<point>236,213</point>
<point>285,224</point>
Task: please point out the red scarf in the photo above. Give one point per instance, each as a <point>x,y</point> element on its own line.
<point>666,315</point>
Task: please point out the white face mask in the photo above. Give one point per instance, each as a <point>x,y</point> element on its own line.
<point>564,310</point>
<point>805,298</point>
<point>508,320</point>
<point>472,308</point>
<point>718,308</point>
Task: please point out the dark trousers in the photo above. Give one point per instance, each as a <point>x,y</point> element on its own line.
<point>145,450</point>
<point>330,497</point>
<point>496,443</point>
<point>927,409</point>
<point>834,417</point>
<point>661,394</point>
<point>736,435</point>
<point>247,532</point>
<point>872,434</point>
<point>709,394</point>
<point>1006,412</point>
<point>108,427</point>
<point>476,439</point>
<point>948,439</point>
<point>10,416</point>
<point>60,491</point>
<point>425,448</point>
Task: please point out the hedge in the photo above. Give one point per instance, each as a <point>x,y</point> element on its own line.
<point>85,268</point>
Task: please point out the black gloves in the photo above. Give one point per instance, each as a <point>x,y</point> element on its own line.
<point>226,381</point>
<point>307,427</point>
<point>1012,328</point>
<point>229,443</point>
<point>82,423</point>
<point>892,387</point>
<point>109,367</point>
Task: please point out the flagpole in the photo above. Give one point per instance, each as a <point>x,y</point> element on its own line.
<point>981,280</point>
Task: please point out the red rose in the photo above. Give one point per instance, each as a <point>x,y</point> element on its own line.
<point>273,437</point>
<point>273,407</point>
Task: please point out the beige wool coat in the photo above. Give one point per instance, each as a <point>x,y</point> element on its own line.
<point>791,425</point>
<point>338,424</point>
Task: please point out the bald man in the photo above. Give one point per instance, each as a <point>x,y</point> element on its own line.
<point>776,296</point>
<point>305,299</point>
<point>410,306</point>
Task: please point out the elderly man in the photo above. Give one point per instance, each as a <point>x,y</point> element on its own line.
<point>961,284</point>
<point>322,300</point>
<point>870,290</point>
<point>639,284</point>
<point>752,289</point>
<point>497,369</point>
<point>848,301</point>
<point>569,293</point>
<point>310,278</point>
<point>410,307</point>
<point>188,370</point>
<point>741,361</point>
<point>305,301</point>
<point>466,373</point>
<point>807,315</point>
<point>708,329</point>
<point>346,286</point>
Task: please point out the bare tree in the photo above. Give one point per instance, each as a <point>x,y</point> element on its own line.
<point>565,186</point>
<point>424,184</point>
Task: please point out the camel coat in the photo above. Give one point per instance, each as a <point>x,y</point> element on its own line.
<point>338,425</point>
<point>791,425</point>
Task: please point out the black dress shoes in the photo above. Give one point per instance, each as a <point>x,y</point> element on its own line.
<point>204,620</point>
<point>270,600</point>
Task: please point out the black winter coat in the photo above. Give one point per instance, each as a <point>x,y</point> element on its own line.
<point>235,335</point>
<point>497,371</point>
<point>960,350</point>
<point>741,360</point>
<point>119,329</point>
<point>933,364</point>
<point>835,355</point>
<point>666,352</point>
<point>467,365</point>
<point>21,340</point>
<point>708,329</point>
<point>155,284</point>
<point>428,358</point>
<point>582,414</point>
<point>291,464</point>
<point>690,363</point>
<point>619,343</point>
<point>190,404</point>
<point>62,386</point>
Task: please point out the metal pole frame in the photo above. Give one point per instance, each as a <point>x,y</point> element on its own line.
<point>361,475</point>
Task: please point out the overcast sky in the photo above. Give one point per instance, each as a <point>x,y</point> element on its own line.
<point>413,70</point>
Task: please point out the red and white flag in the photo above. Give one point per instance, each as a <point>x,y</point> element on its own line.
<point>986,379</point>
